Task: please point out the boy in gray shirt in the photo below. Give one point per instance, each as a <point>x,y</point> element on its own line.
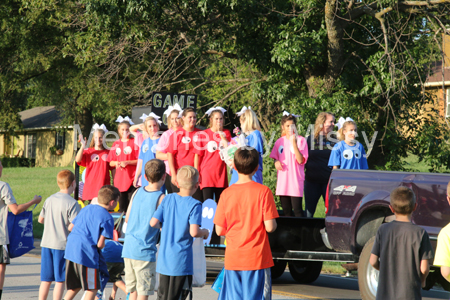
<point>7,200</point>
<point>401,251</point>
<point>58,212</point>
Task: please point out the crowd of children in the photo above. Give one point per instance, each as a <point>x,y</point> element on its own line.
<point>187,162</point>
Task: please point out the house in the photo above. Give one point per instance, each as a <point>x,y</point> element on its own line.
<point>40,138</point>
<point>438,82</point>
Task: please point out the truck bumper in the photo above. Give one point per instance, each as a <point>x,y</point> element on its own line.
<point>325,239</point>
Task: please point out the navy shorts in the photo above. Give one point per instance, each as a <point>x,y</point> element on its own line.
<point>256,285</point>
<point>53,265</point>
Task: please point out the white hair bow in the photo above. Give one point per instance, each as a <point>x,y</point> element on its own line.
<point>209,111</point>
<point>285,113</point>
<point>143,117</point>
<point>127,119</point>
<point>171,108</point>
<point>152,114</point>
<point>342,121</point>
<point>102,127</point>
<point>156,117</point>
<point>243,111</point>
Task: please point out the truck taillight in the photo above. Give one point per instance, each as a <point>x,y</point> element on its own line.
<point>327,199</point>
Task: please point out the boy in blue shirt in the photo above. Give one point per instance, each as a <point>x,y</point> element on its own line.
<point>180,217</point>
<point>89,230</point>
<point>58,212</point>
<point>139,249</point>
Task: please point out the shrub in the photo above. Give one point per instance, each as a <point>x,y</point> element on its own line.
<point>17,162</point>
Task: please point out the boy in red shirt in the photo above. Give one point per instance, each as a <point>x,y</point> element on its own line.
<point>245,213</point>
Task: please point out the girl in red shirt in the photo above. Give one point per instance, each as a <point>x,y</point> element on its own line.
<point>123,156</point>
<point>95,159</point>
<point>182,147</point>
<point>213,170</point>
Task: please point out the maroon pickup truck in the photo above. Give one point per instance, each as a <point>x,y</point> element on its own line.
<point>357,204</point>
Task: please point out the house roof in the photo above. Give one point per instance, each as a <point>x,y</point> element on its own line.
<point>436,74</point>
<point>40,117</point>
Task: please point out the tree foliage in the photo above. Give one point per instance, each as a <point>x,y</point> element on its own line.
<point>368,60</point>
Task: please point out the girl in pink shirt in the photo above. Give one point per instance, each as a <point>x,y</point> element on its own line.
<point>290,154</point>
<point>173,122</point>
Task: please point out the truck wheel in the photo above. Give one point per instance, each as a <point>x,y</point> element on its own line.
<point>305,271</point>
<point>278,269</point>
<point>367,275</point>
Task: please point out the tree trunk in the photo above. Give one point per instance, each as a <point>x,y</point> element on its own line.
<point>324,80</point>
<point>85,122</point>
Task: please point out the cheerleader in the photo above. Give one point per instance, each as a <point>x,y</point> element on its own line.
<point>148,148</point>
<point>123,156</point>
<point>180,151</point>
<point>95,159</point>
<point>174,124</point>
<point>213,170</point>
<point>251,128</point>
<point>348,153</point>
<point>290,154</point>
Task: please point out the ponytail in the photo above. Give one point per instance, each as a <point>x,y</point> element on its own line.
<point>249,121</point>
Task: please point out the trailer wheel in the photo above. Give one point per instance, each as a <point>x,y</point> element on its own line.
<point>305,271</point>
<point>278,269</point>
<point>367,275</point>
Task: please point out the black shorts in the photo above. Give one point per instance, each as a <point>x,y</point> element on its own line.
<point>115,271</point>
<point>4,255</point>
<point>79,276</point>
<point>175,287</point>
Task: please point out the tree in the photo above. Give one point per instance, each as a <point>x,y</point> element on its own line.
<point>366,60</point>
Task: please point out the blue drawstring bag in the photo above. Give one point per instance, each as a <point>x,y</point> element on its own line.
<point>217,285</point>
<point>20,230</point>
<point>102,270</point>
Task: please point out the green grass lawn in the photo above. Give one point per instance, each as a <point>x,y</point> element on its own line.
<point>27,182</point>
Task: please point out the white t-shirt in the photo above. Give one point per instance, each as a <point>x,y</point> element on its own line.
<point>58,212</point>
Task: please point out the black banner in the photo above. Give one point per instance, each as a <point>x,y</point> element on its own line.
<point>161,101</point>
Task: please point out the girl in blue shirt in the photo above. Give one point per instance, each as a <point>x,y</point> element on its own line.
<point>251,128</point>
<point>348,153</point>
<point>147,150</point>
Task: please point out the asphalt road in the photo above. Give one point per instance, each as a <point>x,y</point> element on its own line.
<point>325,287</point>
<point>23,279</point>
<point>333,287</point>
<point>22,282</point>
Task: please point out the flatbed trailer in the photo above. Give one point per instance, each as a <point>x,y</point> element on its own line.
<point>299,243</point>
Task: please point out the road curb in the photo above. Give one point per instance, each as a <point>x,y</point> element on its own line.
<point>36,252</point>
<point>295,295</point>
